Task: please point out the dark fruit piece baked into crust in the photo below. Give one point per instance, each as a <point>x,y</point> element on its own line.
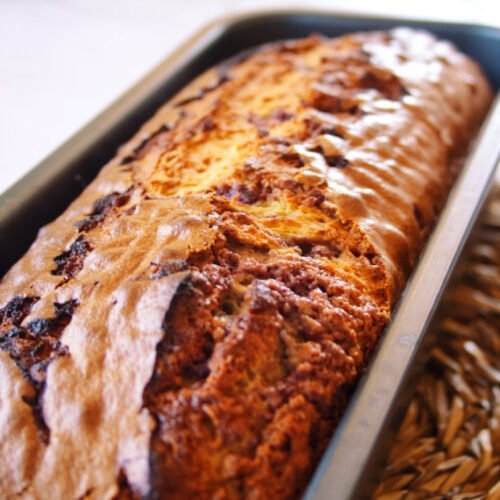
<point>193,324</point>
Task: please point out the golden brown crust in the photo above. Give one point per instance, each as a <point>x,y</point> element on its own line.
<point>193,324</point>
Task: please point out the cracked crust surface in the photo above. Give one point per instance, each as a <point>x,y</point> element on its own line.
<point>194,322</point>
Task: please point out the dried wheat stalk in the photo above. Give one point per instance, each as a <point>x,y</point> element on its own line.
<point>448,445</point>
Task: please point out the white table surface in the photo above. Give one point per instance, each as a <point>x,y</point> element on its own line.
<point>63,61</point>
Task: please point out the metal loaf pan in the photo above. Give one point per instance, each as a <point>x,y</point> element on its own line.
<point>350,465</point>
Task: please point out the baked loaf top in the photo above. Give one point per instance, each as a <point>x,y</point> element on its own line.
<point>194,322</point>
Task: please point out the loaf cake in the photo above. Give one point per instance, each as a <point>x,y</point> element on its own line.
<point>194,323</point>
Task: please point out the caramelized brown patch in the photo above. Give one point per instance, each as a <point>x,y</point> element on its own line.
<point>70,262</point>
<point>334,161</point>
<point>125,491</point>
<point>140,150</point>
<point>14,312</point>
<point>33,348</point>
<point>313,128</point>
<point>330,100</point>
<point>384,82</point>
<point>223,78</point>
<point>101,208</point>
